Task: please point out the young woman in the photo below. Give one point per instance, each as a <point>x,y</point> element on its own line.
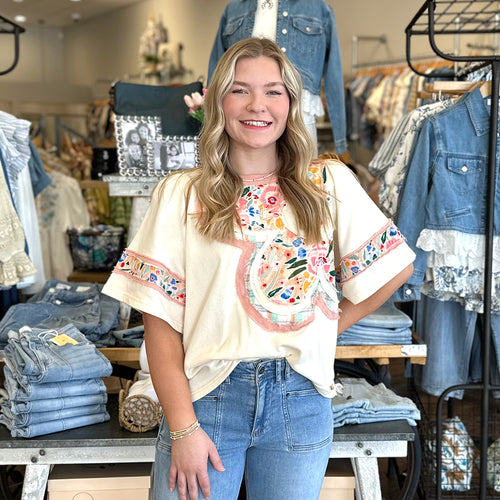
<point>238,268</point>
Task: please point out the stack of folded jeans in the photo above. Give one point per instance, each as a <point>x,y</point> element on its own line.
<point>386,326</point>
<point>60,303</point>
<point>52,382</point>
<point>362,403</point>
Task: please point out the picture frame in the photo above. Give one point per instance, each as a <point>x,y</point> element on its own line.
<point>172,153</point>
<point>134,143</point>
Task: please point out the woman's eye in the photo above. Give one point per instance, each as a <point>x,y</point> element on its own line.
<point>238,91</point>
<point>275,92</point>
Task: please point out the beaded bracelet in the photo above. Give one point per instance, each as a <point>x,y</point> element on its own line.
<point>174,435</point>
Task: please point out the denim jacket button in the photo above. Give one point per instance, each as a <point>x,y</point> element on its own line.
<point>285,13</point>
<point>284,31</point>
<point>308,29</point>
<point>283,49</point>
<point>408,292</point>
<point>464,168</point>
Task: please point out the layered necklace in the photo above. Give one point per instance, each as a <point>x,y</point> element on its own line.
<point>267,4</point>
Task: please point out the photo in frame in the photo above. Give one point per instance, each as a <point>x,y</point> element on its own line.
<point>172,153</point>
<point>134,143</point>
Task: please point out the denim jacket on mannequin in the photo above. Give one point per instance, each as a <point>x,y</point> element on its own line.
<point>445,187</point>
<point>307,34</point>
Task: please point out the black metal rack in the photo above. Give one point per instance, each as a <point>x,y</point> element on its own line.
<point>9,28</point>
<point>468,17</point>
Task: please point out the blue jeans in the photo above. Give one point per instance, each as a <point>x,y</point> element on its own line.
<point>268,422</point>
<point>131,337</point>
<point>33,357</point>
<point>369,335</point>
<point>386,316</point>
<point>56,404</point>
<point>59,425</point>
<point>33,392</point>
<point>39,417</point>
<point>452,335</point>
<point>60,303</point>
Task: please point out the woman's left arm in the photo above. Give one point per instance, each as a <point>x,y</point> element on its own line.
<point>352,313</point>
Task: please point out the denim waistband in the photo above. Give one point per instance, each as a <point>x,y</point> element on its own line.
<point>277,369</point>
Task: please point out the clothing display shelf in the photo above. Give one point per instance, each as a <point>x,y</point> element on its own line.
<point>466,17</point>
<point>9,28</point>
<point>108,442</point>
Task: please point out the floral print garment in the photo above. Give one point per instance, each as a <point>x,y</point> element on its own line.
<point>281,279</point>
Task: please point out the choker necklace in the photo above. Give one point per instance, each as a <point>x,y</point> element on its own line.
<point>267,4</point>
<point>259,178</point>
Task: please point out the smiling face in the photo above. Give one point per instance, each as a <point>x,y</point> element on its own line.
<point>256,106</point>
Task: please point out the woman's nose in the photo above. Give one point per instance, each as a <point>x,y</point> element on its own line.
<point>256,103</point>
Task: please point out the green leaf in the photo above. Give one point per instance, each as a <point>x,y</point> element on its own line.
<point>301,262</point>
<point>297,271</point>
<point>291,261</point>
<point>272,293</point>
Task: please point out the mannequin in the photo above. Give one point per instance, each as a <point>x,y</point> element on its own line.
<point>306,32</point>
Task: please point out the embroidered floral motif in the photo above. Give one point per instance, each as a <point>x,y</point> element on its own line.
<point>260,206</point>
<point>355,263</point>
<point>268,312</point>
<point>288,268</point>
<point>281,281</point>
<point>152,274</point>
<point>317,173</point>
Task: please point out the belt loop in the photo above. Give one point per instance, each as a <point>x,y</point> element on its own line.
<point>287,369</point>
<point>277,365</point>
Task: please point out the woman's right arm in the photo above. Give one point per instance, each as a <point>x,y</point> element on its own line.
<point>190,454</point>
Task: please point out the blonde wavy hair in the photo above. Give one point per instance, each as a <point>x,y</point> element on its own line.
<point>218,188</point>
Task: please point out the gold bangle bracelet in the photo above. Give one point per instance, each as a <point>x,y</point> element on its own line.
<point>174,435</point>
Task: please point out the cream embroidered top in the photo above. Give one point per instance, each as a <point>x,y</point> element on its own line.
<point>266,294</point>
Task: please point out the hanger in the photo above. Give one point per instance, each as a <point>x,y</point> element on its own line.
<point>485,88</point>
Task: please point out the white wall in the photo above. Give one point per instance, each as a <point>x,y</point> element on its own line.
<point>106,49</point>
<point>77,64</point>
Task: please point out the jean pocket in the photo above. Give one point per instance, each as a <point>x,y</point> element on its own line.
<point>465,173</point>
<point>308,418</point>
<point>209,411</point>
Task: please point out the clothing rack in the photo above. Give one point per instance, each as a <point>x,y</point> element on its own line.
<point>394,62</point>
<point>437,17</point>
<point>9,28</point>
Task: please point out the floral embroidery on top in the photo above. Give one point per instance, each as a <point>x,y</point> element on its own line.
<point>317,172</point>
<point>152,274</point>
<point>281,280</point>
<point>259,207</point>
<point>288,268</point>
<point>380,244</point>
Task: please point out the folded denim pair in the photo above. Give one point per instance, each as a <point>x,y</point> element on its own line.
<point>52,382</point>
<point>40,356</point>
<point>361,402</point>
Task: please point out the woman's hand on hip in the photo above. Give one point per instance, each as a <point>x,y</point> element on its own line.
<point>190,457</point>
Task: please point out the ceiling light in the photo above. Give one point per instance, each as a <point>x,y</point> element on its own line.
<point>20,19</point>
<point>17,1</point>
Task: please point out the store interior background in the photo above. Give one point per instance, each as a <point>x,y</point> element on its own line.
<point>64,68</point>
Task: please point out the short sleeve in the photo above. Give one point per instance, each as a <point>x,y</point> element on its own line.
<point>150,275</point>
<point>370,250</point>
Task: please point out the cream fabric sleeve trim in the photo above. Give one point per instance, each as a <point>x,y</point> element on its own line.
<point>378,274</point>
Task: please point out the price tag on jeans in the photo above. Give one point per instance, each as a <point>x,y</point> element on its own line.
<point>63,339</point>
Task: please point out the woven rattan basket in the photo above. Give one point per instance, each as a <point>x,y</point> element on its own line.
<point>138,413</point>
